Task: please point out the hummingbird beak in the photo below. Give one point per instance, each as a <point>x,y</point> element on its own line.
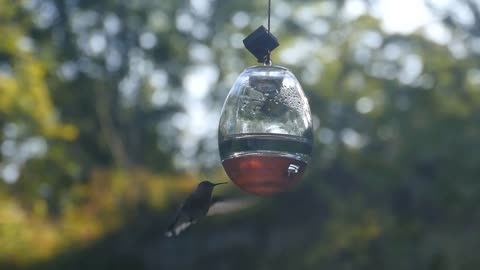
<point>220,183</point>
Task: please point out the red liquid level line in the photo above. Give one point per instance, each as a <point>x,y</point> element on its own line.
<point>264,175</point>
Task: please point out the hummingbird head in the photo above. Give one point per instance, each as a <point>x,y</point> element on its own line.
<point>207,185</point>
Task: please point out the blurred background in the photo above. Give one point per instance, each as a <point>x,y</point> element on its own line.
<point>109,114</point>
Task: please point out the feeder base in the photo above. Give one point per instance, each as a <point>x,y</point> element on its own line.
<point>264,174</point>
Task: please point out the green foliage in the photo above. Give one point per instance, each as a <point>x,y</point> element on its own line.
<point>25,97</point>
<point>88,212</point>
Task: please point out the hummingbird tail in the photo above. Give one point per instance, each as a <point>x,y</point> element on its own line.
<point>175,229</point>
<point>171,228</point>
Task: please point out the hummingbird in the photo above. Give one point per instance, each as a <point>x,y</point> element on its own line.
<point>195,207</point>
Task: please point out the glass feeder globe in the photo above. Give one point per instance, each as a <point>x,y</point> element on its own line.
<point>265,130</point>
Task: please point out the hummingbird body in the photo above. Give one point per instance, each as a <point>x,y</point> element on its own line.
<point>195,207</point>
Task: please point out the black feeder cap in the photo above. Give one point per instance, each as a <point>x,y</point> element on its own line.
<point>260,43</point>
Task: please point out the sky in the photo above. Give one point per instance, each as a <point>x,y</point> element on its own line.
<point>403,16</point>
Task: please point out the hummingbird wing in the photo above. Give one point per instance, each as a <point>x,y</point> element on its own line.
<point>189,213</point>
<point>179,224</point>
<point>225,206</point>
<point>219,205</point>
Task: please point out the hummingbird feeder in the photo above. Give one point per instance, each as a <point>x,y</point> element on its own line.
<point>265,131</point>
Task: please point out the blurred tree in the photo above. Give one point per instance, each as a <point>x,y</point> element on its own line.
<point>392,184</point>
<point>28,118</point>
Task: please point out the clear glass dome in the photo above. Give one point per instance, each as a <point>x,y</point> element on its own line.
<point>265,130</point>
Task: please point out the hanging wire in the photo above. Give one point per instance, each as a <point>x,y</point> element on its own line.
<point>269,11</point>
<point>268,60</point>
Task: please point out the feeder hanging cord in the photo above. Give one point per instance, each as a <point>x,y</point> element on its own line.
<point>268,61</point>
